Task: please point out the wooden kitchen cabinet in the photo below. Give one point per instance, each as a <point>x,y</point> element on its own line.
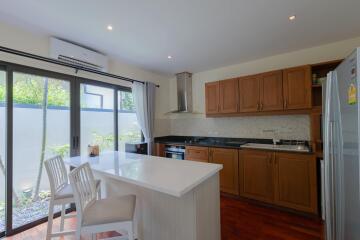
<point>256,175</point>
<point>271,91</point>
<point>297,87</point>
<point>229,175</point>
<point>160,149</point>
<point>284,179</point>
<point>296,183</point>
<point>212,97</point>
<point>249,94</point>
<point>228,95</point>
<point>199,154</point>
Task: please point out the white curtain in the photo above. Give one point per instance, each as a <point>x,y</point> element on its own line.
<point>144,99</point>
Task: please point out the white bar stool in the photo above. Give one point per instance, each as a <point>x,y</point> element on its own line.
<point>61,194</point>
<point>95,216</point>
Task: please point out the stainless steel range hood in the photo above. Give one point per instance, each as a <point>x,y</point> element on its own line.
<point>184,93</point>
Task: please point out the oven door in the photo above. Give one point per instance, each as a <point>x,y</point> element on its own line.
<point>175,155</point>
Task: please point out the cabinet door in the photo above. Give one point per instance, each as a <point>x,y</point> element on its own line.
<point>296,181</point>
<point>271,91</point>
<point>160,149</point>
<point>256,175</point>
<point>212,97</point>
<point>297,87</point>
<point>229,96</point>
<point>249,94</point>
<point>229,175</point>
<point>200,154</point>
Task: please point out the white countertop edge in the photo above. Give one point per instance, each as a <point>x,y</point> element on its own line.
<point>159,189</point>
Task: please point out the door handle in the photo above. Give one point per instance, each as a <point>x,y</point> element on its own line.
<point>77,141</point>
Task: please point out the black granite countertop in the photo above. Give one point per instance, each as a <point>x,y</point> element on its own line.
<point>219,141</point>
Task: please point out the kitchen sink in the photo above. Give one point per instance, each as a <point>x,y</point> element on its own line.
<point>282,147</point>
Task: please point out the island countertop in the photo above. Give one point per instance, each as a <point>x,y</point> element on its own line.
<point>170,176</point>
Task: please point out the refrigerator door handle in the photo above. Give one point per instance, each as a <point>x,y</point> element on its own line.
<point>332,174</point>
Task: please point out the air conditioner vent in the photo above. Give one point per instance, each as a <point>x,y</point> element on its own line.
<point>80,63</point>
<point>77,55</point>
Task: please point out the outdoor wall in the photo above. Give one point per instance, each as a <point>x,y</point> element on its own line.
<point>290,127</point>
<point>28,134</point>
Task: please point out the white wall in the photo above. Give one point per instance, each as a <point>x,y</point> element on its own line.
<point>294,127</point>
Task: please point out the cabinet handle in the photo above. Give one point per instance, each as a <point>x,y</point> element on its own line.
<point>261,106</point>
<point>285,104</point>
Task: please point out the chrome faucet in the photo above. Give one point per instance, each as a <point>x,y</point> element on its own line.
<point>274,139</point>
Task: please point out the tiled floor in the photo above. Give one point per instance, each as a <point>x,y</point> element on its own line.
<point>239,220</point>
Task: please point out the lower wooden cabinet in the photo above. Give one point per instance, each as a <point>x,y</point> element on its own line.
<point>284,179</point>
<point>229,175</point>
<point>256,173</point>
<point>159,150</point>
<point>199,154</point>
<point>296,183</point>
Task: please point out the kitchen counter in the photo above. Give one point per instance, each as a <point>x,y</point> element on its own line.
<point>168,192</point>
<point>239,143</point>
<point>286,148</point>
<point>164,175</point>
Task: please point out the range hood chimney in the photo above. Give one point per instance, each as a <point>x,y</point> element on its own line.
<point>184,92</point>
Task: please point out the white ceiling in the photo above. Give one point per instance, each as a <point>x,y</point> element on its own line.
<point>199,34</point>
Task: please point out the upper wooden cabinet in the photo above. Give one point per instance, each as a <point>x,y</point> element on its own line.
<point>256,175</point>
<point>228,96</point>
<point>297,87</point>
<point>277,92</point>
<point>295,177</point>
<point>212,97</point>
<point>229,175</point>
<point>271,91</point>
<point>249,94</point>
<point>199,154</point>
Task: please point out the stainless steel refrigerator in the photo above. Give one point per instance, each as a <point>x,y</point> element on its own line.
<point>341,119</point>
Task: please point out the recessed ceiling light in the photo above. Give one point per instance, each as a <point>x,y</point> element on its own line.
<point>292,18</point>
<point>109,27</point>
<point>169,57</point>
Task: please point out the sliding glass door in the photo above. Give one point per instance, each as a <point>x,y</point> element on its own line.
<point>128,127</point>
<point>96,117</point>
<point>43,114</point>
<point>2,149</point>
<point>41,129</point>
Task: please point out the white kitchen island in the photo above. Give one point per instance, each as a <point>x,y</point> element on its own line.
<point>176,199</point>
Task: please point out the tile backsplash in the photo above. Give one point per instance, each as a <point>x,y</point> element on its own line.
<point>292,127</point>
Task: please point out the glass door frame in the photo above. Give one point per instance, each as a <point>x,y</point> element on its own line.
<point>74,140</point>
<point>10,69</point>
<point>115,89</point>
<point>4,68</point>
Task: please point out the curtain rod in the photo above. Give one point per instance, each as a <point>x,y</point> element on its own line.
<point>57,62</point>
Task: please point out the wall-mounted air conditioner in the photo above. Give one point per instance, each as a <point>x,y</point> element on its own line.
<point>77,55</point>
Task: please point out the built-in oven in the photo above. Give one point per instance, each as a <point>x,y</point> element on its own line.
<point>175,152</point>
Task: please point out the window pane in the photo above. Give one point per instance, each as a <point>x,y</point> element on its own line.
<point>97,117</point>
<point>2,148</point>
<point>41,121</point>
<point>129,129</point>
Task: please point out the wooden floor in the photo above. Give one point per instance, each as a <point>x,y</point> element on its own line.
<point>240,220</point>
